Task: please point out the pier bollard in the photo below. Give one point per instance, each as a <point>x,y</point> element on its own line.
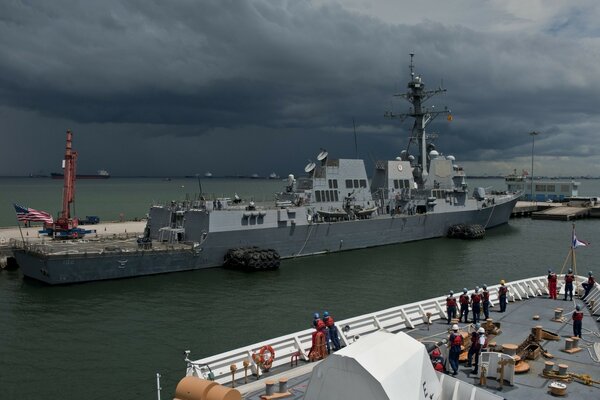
<point>269,388</point>
<point>283,385</point>
<point>562,369</point>
<point>558,388</point>
<point>509,349</point>
<point>548,367</point>
<point>568,344</point>
<point>575,340</point>
<point>557,315</point>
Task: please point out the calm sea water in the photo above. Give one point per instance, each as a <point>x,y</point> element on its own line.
<point>106,340</point>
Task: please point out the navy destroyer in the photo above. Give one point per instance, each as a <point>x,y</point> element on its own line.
<point>334,207</point>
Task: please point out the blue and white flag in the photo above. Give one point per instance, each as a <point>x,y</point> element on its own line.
<point>578,243</point>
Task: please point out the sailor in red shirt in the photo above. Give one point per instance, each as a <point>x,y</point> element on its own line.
<point>577,321</point>
<point>451,306</point>
<point>332,332</point>
<point>464,306</point>
<point>502,294</point>
<point>552,282</point>
<point>587,286</point>
<point>569,278</point>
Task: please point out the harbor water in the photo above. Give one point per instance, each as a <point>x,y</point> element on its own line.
<point>107,340</point>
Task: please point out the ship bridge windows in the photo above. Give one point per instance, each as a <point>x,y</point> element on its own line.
<point>356,183</point>
<point>401,184</point>
<point>439,193</point>
<point>333,184</point>
<point>326,196</point>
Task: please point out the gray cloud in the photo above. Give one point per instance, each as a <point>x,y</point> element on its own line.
<point>143,83</point>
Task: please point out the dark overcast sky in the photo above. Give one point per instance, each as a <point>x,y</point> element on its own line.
<point>242,87</point>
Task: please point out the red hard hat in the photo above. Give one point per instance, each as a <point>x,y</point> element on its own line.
<point>435,353</point>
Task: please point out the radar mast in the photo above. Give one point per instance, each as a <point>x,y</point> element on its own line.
<point>416,95</point>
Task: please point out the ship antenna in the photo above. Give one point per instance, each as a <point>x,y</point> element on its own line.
<point>199,184</point>
<point>355,142</point>
<point>412,67</point>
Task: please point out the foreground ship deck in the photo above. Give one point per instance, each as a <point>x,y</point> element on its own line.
<point>529,297</point>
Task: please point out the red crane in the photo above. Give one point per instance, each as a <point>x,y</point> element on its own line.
<point>65,226</point>
<point>64,220</point>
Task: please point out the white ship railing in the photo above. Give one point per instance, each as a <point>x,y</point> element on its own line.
<point>392,319</point>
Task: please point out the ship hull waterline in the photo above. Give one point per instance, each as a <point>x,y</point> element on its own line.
<point>290,241</point>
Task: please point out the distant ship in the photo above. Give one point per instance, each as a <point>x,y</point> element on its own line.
<point>543,189</point>
<point>208,175</point>
<point>101,174</point>
<point>273,175</point>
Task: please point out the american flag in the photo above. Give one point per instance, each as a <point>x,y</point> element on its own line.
<point>29,214</point>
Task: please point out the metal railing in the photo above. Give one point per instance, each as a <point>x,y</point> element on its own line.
<point>392,319</point>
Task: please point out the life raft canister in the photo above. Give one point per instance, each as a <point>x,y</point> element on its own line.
<point>265,357</point>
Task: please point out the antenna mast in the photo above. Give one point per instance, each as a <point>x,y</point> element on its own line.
<point>417,96</point>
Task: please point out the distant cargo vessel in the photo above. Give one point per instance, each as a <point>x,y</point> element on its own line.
<point>101,174</point>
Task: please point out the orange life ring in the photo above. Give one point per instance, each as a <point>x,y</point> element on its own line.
<point>265,357</point>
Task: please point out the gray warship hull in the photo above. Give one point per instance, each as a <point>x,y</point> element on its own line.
<point>289,240</point>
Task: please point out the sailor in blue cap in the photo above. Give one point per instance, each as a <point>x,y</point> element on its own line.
<point>315,319</point>
<point>569,278</point>
<point>332,332</point>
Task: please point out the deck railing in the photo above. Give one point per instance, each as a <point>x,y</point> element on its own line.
<point>392,319</point>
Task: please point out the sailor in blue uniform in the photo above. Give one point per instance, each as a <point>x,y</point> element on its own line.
<point>485,301</point>
<point>332,332</point>
<point>455,341</point>
<point>476,304</point>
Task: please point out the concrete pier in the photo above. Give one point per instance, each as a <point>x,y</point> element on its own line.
<point>555,211</point>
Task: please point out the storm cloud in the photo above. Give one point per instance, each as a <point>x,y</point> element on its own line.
<point>180,87</point>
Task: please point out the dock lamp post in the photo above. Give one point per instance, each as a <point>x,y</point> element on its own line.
<point>533,134</point>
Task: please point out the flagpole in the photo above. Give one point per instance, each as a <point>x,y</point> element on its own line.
<point>574,262</point>
<point>20,231</point>
<point>573,248</point>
